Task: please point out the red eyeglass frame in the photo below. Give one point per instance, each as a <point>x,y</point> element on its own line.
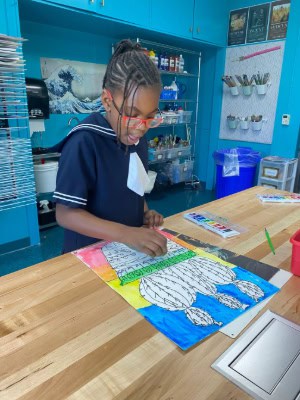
<point>140,121</point>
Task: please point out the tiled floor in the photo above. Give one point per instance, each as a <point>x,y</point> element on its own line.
<point>168,201</point>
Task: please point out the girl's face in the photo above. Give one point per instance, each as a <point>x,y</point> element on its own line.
<point>142,104</point>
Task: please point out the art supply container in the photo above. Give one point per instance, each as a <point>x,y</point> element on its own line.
<point>247,90</point>
<point>244,124</point>
<point>261,89</point>
<point>234,90</point>
<point>45,176</point>
<point>295,263</point>
<point>236,170</point>
<point>232,123</point>
<point>256,125</point>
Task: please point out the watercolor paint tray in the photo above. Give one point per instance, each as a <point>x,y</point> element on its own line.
<point>215,224</point>
<point>279,198</point>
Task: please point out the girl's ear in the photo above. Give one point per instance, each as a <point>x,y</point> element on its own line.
<point>106,99</point>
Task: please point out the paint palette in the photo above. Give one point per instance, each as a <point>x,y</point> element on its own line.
<point>279,198</point>
<point>214,223</point>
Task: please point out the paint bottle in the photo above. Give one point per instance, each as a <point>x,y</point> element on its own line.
<point>172,63</point>
<point>181,64</point>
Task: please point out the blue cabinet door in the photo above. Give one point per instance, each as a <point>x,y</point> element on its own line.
<point>173,16</point>
<point>211,21</point>
<point>131,11</point>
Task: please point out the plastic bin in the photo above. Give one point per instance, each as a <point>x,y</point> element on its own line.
<point>235,170</point>
<point>295,262</point>
<point>186,117</point>
<point>45,176</point>
<point>277,172</point>
<point>179,151</point>
<point>156,154</point>
<point>180,172</point>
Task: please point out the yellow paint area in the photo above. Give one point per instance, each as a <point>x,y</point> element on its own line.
<point>130,292</point>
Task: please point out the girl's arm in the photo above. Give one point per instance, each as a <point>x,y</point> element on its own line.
<point>78,220</point>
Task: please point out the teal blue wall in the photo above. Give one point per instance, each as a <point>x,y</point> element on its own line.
<point>55,42</point>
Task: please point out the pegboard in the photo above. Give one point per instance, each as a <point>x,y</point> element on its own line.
<point>269,59</point>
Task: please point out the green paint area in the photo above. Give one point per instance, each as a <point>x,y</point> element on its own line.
<point>149,269</point>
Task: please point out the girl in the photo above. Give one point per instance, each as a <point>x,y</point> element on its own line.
<point>102,168</point>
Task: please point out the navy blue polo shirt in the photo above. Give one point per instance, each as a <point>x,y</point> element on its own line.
<point>92,175</point>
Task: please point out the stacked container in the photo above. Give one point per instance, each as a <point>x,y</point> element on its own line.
<point>278,173</point>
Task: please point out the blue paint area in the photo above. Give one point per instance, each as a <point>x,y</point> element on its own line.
<point>176,325</point>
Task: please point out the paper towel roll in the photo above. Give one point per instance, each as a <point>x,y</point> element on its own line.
<point>36,125</point>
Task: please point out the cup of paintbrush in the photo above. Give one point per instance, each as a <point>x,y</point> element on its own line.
<point>245,83</point>
<point>230,82</point>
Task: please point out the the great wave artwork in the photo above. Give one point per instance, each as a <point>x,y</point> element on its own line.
<point>74,87</point>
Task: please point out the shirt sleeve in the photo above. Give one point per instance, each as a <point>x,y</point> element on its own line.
<point>76,171</point>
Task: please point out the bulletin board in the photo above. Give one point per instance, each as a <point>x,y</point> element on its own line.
<point>249,60</point>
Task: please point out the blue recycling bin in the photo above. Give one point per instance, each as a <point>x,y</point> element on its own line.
<point>235,170</point>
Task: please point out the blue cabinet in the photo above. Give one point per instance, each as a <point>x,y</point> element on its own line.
<point>130,11</point>
<point>173,17</point>
<point>211,21</point>
<point>194,19</point>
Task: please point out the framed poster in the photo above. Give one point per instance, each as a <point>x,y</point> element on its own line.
<point>237,26</point>
<point>258,23</point>
<point>280,11</point>
<point>73,86</point>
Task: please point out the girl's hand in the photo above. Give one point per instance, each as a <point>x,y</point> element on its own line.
<point>147,241</point>
<point>153,219</point>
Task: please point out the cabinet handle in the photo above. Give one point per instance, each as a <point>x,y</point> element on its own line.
<point>198,29</point>
<point>92,1</point>
<point>102,4</point>
<point>191,29</point>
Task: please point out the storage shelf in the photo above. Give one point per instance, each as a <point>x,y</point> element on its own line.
<point>276,180</point>
<point>181,124</point>
<point>162,72</point>
<point>169,160</point>
<point>178,101</point>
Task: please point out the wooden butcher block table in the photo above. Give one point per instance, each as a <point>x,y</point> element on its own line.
<point>67,335</point>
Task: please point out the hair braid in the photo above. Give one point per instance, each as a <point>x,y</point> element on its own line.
<point>130,68</point>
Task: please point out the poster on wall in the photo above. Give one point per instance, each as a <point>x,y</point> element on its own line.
<point>237,26</point>
<point>250,91</point>
<point>280,11</point>
<point>74,87</point>
<point>258,23</point>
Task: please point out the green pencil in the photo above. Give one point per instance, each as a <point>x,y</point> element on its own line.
<point>269,241</point>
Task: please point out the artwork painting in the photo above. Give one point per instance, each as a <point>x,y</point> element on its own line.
<point>280,12</point>
<point>237,26</point>
<point>258,23</point>
<point>73,86</point>
<point>187,294</point>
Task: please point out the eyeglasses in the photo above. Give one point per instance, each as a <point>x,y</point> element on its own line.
<point>135,123</point>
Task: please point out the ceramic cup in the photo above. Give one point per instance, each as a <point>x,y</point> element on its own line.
<point>232,124</point>
<point>244,124</point>
<point>256,126</point>
<point>261,89</point>
<point>247,90</point>
<point>234,91</point>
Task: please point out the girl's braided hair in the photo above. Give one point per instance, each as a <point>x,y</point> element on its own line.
<point>130,68</point>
